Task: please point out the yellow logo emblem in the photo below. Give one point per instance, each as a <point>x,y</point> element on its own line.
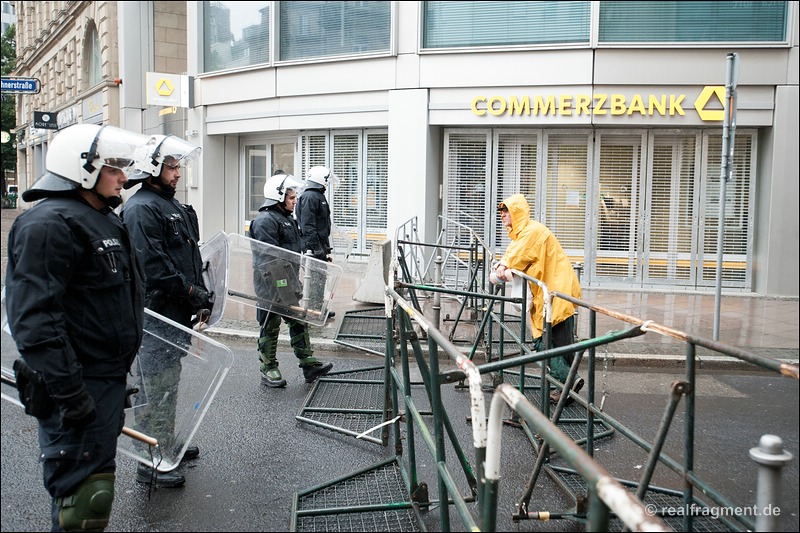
<point>164,87</point>
<point>702,101</point>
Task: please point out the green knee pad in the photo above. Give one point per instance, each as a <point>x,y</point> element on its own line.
<point>89,507</point>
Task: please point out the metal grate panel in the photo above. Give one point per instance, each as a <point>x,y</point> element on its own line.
<point>349,402</point>
<point>382,485</point>
<point>347,395</point>
<point>573,417</point>
<point>364,329</point>
<point>577,486</point>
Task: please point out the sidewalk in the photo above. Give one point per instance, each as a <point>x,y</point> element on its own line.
<point>765,326</point>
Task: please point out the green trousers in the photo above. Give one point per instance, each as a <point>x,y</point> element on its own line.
<point>268,340</point>
<point>561,336</point>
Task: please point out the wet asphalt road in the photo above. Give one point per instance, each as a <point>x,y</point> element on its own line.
<point>255,455</point>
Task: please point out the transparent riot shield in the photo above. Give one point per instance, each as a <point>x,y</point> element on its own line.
<point>215,273</point>
<point>177,371</point>
<point>9,354</point>
<point>280,281</point>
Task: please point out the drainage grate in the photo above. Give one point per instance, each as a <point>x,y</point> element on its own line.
<point>364,329</point>
<point>375,499</point>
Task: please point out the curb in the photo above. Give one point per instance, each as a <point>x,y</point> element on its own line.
<point>318,343</point>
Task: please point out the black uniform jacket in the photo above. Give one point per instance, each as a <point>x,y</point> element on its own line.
<point>278,228</point>
<point>74,292</point>
<point>166,234</point>
<point>314,215</point>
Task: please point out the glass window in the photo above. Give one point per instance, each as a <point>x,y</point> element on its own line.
<point>95,68</point>
<point>329,29</point>
<point>235,34</point>
<point>692,21</point>
<point>460,24</point>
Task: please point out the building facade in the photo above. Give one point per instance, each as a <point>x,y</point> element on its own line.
<point>91,59</point>
<point>607,116</point>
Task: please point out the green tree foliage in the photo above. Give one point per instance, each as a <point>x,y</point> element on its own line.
<point>8,116</point>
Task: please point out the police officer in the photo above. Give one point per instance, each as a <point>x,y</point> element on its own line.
<point>313,213</point>
<point>166,235</point>
<point>275,225</point>
<point>75,302</point>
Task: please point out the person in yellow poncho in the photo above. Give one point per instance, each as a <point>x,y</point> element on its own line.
<point>535,251</point>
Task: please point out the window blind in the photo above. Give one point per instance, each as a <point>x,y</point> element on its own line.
<point>461,24</point>
<point>698,21</point>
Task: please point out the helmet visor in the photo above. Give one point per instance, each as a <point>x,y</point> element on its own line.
<point>174,151</point>
<point>117,148</point>
<point>294,183</point>
<point>333,181</point>
<point>118,162</point>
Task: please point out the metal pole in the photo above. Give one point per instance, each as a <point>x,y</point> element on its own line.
<point>770,457</point>
<point>437,297</point>
<point>726,172</point>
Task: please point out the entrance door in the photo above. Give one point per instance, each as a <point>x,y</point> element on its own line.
<point>617,201</point>
<point>670,222</point>
<point>260,162</point>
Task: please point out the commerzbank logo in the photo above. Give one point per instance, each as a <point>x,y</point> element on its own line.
<point>164,87</point>
<point>709,105</point>
<point>706,95</point>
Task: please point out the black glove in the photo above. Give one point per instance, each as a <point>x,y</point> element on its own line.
<point>199,298</point>
<point>77,410</point>
<point>128,393</point>
<point>32,390</point>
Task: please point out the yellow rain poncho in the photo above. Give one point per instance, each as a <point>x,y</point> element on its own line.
<point>535,251</point>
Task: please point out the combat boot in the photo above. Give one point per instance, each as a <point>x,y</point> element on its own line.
<point>273,378</point>
<point>162,480</point>
<point>314,370</point>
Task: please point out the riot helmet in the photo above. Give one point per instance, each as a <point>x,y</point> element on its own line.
<point>161,148</point>
<point>319,177</point>
<point>76,155</point>
<point>275,189</point>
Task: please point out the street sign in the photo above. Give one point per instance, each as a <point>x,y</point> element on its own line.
<point>21,85</point>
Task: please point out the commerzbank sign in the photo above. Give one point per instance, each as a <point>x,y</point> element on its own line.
<point>609,104</point>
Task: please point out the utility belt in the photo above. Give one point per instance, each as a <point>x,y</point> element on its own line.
<point>32,390</point>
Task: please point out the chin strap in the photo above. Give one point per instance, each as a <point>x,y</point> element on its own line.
<point>112,201</point>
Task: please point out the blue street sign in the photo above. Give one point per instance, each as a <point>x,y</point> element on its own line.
<point>21,85</point>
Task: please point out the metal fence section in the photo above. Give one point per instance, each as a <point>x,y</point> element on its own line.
<point>563,436</point>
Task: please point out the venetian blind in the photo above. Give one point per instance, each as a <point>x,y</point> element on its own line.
<point>671,230</point>
<point>737,212</point>
<point>462,24</point>
<point>698,21</point>
<point>376,187</point>
<point>618,185</point>
<point>564,202</point>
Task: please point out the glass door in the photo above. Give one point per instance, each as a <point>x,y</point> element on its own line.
<point>260,162</point>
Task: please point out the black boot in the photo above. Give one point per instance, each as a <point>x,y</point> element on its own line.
<point>192,452</point>
<point>162,480</point>
<point>313,371</point>
<point>273,378</point>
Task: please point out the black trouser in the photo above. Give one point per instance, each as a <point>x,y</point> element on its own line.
<point>70,456</point>
<point>561,335</point>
